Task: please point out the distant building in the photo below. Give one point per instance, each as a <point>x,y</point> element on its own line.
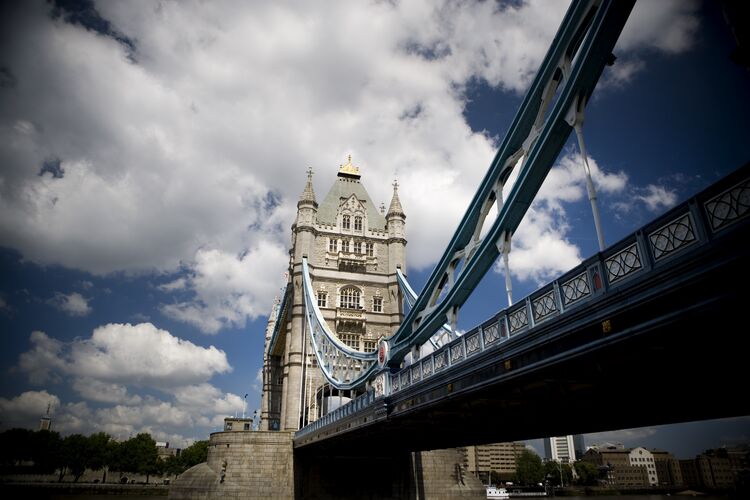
<point>667,468</point>
<point>624,467</point>
<point>45,423</point>
<point>499,458</point>
<point>560,449</point>
<point>711,470</point>
<point>234,424</point>
<point>163,450</point>
<point>579,445</point>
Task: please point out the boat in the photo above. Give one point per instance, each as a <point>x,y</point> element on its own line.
<point>494,492</point>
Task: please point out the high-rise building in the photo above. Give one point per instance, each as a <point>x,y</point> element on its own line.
<point>560,449</point>
<point>353,250</point>
<point>496,458</point>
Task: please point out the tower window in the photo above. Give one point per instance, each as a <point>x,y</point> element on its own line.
<point>322,299</point>
<point>369,249</point>
<point>346,222</point>
<point>357,247</point>
<point>350,339</point>
<point>345,246</point>
<point>350,298</point>
<point>358,223</point>
<point>377,304</point>
<point>332,245</point>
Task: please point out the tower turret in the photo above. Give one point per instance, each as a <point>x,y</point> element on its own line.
<point>396,224</point>
<point>304,227</point>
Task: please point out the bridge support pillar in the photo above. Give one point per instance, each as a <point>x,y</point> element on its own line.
<point>383,474</point>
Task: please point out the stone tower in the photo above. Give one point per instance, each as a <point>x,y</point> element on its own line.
<point>353,250</point>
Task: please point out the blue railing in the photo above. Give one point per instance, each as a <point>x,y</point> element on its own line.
<point>637,256</point>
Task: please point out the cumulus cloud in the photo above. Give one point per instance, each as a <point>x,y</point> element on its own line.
<point>27,407</point>
<point>72,304</point>
<point>228,288</point>
<point>654,198</point>
<point>123,354</point>
<point>97,390</point>
<point>187,148</point>
<point>540,248</point>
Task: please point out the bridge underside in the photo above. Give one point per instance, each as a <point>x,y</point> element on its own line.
<point>640,357</point>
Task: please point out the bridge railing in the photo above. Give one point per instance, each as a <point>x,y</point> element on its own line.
<point>661,242</point>
<point>686,226</point>
<point>355,405</point>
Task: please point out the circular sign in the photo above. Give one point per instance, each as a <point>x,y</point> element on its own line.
<point>382,352</point>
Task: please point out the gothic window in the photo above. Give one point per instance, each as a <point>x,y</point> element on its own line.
<point>377,304</point>
<point>332,245</point>
<point>370,346</point>
<point>358,223</point>
<point>369,249</point>
<point>345,246</point>
<point>350,298</point>
<point>346,222</point>
<point>322,299</point>
<point>357,247</point>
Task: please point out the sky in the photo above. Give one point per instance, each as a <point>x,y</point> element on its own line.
<point>152,154</point>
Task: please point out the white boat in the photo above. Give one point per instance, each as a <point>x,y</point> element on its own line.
<point>494,492</point>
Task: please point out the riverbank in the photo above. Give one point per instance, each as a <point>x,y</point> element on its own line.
<point>53,490</point>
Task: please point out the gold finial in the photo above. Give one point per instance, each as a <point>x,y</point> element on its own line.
<point>349,168</point>
<point>310,172</point>
<point>395,184</point>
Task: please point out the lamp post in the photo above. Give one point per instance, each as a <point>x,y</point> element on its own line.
<point>562,481</point>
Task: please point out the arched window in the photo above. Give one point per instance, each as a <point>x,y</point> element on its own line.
<point>346,222</point>
<point>357,247</point>
<point>357,223</point>
<point>350,298</point>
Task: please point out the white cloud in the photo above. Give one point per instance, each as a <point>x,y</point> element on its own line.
<point>653,197</point>
<point>72,304</point>
<point>190,156</point>
<point>667,25</point>
<point>139,354</point>
<point>657,197</point>
<point>540,249</point>
<point>27,408</point>
<point>97,390</point>
<point>228,288</point>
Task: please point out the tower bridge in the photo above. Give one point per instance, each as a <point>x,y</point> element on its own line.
<point>358,382</point>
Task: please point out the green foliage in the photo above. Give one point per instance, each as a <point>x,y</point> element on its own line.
<point>194,454</point>
<point>529,469</point>
<point>555,472</point>
<point>588,473</point>
<point>46,450</point>
<point>74,454</point>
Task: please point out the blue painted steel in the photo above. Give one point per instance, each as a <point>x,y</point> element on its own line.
<point>339,363</point>
<point>585,40</point>
<point>654,249</point>
<point>279,315</point>
<point>411,298</point>
<point>589,60</point>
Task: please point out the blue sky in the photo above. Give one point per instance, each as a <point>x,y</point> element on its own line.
<point>152,158</point>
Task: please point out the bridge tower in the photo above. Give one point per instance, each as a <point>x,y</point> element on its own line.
<point>353,249</point>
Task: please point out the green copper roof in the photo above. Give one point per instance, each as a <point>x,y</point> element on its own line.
<point>344,187</point>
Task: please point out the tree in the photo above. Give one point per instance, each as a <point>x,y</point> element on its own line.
<point>588,473</point>
<point>15,446</point>
<point>74,455</point>
<point>140,454</point>
<point>98,458</point>
<point>558,474</point>
<point>529,468</point>
<point>194,454</point>
<point>45,451</point>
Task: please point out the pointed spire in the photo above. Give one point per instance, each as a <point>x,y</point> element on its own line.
<point>308,195</point>
<point>395,208</point>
